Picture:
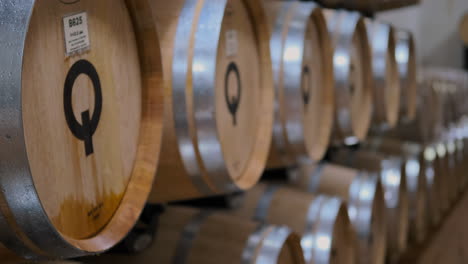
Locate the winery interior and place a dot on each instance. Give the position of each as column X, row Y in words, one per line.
column 234, row 131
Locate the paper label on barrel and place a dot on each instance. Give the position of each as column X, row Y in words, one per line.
column 75, row 28
column 231, row 43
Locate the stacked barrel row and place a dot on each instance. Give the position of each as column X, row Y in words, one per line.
column 109, row 104
column 336, row 76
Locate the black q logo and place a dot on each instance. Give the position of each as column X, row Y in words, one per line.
column 234, row 100
column 305, row 85
column 88, row 126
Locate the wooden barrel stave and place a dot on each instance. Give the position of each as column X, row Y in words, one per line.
column 367, row 212
column 308, row 215
column 32, row 212
column 204, row 153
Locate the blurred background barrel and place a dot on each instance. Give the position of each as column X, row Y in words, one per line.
column 303, row 75
column 318, row 218
column 83, row 125
column 219, row 97
column 389, row 170
column 364, row 196
column 190, row 236
column 413, row 170
column 441, row 169
column 353, row 82
column 434, row 199
column 406, row 59
column 385, row 72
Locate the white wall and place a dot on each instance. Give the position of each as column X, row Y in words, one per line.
column 435, row 25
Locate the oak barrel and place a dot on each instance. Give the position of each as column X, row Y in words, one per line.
column 412, row 155
column 442, row 170
column 407, row 66
column 455, row 186
column 352, row 69
column 434, row 201
column 323, row 222
column 389, row 170
column 189, row 236
column 364, row 196
column 303, row 77
column 219, row 97
column 460, row 163
column 81, row 123
column 385, row 72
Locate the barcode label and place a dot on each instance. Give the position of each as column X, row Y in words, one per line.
column 75, row 28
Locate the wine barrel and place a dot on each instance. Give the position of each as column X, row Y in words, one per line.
column 441, row 168
column 433, row 186
column 352, row 75
column 427, row 125
column 317, row 218
column 198, row 237
column 460, row 164
column 385, row 71
column 303, row 76
column 219, row 97
column 407, row 65
column 414, row 172
column 454, row 183
column 81, row 123
column 364, row 196
column 389, row 170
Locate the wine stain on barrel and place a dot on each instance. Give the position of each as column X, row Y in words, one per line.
column 84, row 219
